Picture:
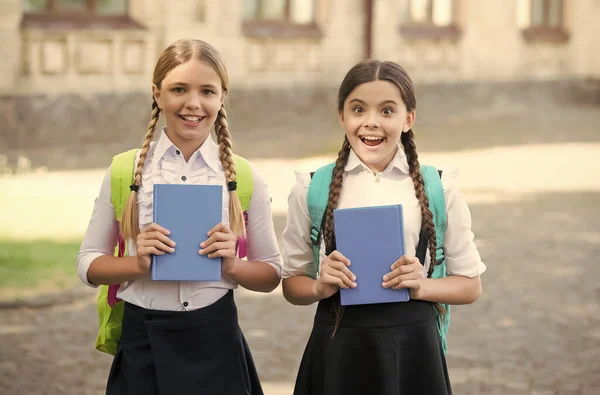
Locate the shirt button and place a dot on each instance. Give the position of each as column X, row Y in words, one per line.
column 177, row 152
column 183, row 178
column 185, row 304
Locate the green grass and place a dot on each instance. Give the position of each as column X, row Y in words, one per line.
column 27, row 265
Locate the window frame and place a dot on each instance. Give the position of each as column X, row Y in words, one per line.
column 281, row 28
column 414, row 30
column 52, row 17
column 545, row 32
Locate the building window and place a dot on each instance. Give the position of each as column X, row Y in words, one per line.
column 76, row 14
column 433, row 19
column 542, row 20
column 280, row 18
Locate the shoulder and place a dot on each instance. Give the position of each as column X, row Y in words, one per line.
column 449, row 176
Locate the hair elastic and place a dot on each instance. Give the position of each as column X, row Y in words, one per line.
column 134, row 187
column 231, row 186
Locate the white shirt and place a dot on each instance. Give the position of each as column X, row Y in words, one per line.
column 363, row 188
column 165, row 165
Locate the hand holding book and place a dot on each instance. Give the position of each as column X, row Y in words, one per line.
column 334, row 274
column 221, row 242
column 407, row 272
column 153, row 240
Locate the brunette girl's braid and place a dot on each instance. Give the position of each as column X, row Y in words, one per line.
column 236, row 215
column 410, row 149
column 335, row 188
column 130, row 227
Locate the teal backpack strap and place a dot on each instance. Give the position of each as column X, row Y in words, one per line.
column 121, row 178
column 437, row 205
column 318, row 194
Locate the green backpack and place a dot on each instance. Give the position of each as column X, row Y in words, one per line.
column 318, row 195
column 110, row 308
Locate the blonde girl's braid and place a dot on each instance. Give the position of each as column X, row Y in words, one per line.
column 130, row 226
column 335, row 188
column 236, row 216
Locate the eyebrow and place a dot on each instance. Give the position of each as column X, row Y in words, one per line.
column 184, row 84
column 382, row 103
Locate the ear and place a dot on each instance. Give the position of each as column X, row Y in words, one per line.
column 223, row 96
column 341, row 120
column 411, row 117
column 156, row 95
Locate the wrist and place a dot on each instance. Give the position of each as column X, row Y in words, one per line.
column 316, row 290
column 230, row 266
column 425, row 288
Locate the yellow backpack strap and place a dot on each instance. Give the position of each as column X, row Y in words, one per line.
column 121, row 178
column 245, row 182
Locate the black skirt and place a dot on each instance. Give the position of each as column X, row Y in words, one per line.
column 191, row 352
column 382, row 349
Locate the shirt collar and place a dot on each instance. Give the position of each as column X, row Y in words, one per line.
column 209, row 150
column 398, row 162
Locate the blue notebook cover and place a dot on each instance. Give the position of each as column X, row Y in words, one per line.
column 372, row 238
column 188, row 212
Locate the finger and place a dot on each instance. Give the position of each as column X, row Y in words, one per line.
column 333, row 280
column 217, row 236
column 404, row 260
column 156, row 235
column 223, row 253
column 342, row 276
column 337, row 256
column 400, row 270
column 220, row 227
column 157, row 244
column 411, row 284
column 340, row 266
column 150, row 251
column 156, row 227
column 219, row 245
column 414, row 275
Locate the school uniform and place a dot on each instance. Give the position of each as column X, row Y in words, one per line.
column 180, row 337
column 387, row 348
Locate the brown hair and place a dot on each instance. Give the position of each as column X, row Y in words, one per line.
column 368, row 71
column 175, row 54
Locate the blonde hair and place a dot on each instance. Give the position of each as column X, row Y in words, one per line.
column 175, row 54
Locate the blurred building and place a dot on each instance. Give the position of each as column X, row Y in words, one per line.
column 77, row 73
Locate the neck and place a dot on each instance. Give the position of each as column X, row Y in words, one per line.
column 186, row 146
column 380, row 166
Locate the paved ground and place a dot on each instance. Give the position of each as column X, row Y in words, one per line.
column 536, row 329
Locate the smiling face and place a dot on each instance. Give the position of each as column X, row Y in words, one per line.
column 190, row 97
column 374, row 116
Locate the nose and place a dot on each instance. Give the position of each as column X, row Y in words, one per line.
column 193, row 101
column 371, row 121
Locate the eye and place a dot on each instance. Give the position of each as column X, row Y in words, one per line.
column 387, row 111
column 178, row 89
column 208, row 92
column 358, row 110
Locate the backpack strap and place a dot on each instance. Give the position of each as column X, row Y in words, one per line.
column 318, row 194
column 437, row 204
column 245, row 182
column 121, row 178
column 245, row 189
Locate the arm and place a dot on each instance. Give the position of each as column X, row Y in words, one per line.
column 451, row 290
column 299, row 270
column 96, row 264
column 463, row 262
column 262, row 269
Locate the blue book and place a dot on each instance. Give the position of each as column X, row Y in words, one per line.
column 188, row 212
column 372, row 238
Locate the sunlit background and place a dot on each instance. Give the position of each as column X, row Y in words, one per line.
column 508, row 91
